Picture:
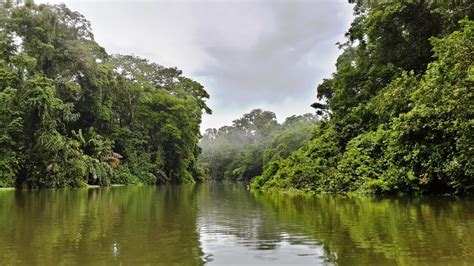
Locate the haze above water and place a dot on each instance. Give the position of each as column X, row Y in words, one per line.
column 224, row 223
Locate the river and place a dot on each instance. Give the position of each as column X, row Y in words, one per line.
column 223, row 223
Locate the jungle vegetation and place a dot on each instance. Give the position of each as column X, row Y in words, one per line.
column 397, row 116
column 71, row 114
column 245, row 149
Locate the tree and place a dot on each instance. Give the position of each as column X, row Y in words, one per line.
column 73, row 115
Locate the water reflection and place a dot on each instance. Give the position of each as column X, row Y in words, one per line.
column 223, row 223
column 261, row 227
column 358, row 230
column 235, row 228
column 128, row 225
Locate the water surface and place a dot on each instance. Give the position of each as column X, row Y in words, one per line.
column 220, row 224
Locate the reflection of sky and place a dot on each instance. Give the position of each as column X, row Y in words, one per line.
column 225, row 244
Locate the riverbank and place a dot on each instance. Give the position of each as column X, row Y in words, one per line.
column 308, row 193
column 288, row 191
column 86, row 186
column 113, row 185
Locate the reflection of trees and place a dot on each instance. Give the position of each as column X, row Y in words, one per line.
column 228, row 209
column 137, row 225
column 380, row 231
column 128, row 225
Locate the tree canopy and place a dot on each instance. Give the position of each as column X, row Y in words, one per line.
column 71, row 114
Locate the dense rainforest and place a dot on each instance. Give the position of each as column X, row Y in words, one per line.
column 71, row 114
column 397, row 116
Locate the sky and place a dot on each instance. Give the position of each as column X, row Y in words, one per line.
column 268, row 54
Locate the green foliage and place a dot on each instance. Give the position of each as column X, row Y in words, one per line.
column 10, row 126
column 245, row 149
column 312, row 167
column 434, row 139
column 125, row 177
column 362, row 164
column 400, row 107
column 71, row 115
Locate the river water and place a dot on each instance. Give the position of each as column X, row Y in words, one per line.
column 222, row 224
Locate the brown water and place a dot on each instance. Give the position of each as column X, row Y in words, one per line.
column 225, row 224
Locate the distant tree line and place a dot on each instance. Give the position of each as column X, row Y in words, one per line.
column 71, row 114
column 243, row 150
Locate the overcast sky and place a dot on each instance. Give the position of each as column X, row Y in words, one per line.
column 248, row 54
